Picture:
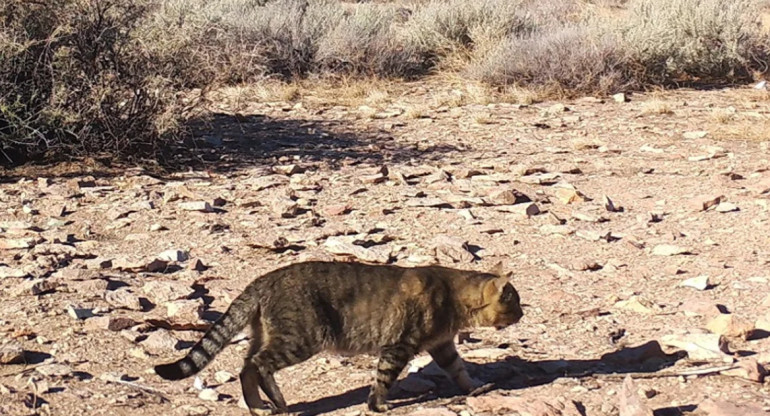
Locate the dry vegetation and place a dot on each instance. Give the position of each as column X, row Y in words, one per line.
column 91, row 76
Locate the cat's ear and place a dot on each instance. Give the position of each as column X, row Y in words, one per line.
column 498, row 269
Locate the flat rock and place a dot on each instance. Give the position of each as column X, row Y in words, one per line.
column 11, row 353
column 636, row 304
column 630, row 403
column 725, row 408
column 109, row 323
column 140, row 265
column 174, row 255
column 160, row 342
column 705, row 202
column 123, row 298
column 344, row 246
column 507, row 197
column 669, row 250
column 747, row 368
column 451, row 248
column 6, row 272
column 54, row 370
column 209, row 395
column 525, row 210
column 695, row 307
column 705, row 347
column 18, row 243
column 698, row 282
column 187, row 310
column 223, row 377
column 636, row 355
column 77, row 312
column 199, row 206
column 730, row 326
column 498, row 404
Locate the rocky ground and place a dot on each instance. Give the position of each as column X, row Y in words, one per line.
column 637, row 229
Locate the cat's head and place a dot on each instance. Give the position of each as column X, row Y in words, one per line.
column 501, row 303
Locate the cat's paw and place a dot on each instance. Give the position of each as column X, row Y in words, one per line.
column 378, row 405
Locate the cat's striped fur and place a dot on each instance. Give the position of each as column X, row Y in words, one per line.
column 305, row 308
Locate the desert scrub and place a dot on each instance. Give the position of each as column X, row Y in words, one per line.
column 568, row 59
column 685, row 40
column 74, row 81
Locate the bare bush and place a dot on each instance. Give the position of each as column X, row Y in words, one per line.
column 567, row 58
column 73, row 80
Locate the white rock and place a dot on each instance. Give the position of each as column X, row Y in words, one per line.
column 698, row 282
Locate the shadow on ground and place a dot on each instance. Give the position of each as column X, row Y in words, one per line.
column 225, row 143
column 513, row 373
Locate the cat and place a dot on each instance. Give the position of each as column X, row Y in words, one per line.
column 302, row 309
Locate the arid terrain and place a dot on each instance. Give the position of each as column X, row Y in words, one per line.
column 638, row 231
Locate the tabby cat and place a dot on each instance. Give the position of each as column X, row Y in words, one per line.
column 300, row 310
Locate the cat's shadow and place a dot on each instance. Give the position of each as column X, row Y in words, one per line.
column 510, row 373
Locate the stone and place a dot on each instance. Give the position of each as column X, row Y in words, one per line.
column 288, row 170
column 704, row 347
column 11, row 353
column 123, row 298
column 109, row 323
column 692, row 135
column 725, row 408
column 140, row 265
column 336, row 209
column 452, row 248
column 223, row 377
column 79, row 313
column 498, row 404
column 185, row 311
column 730, row 326
column 524, row 210
column 725, row 207
column 284, row 207
column 507, row 197
column 609, row 205
column 35, row 287
column 669, row 250
column 703, row 203
column 747, row 368
column 209, row 395
column 98, row 263
column 620, row 97
column 159, row 342
column 698, row 282
column 630, row 402
column 54, row 370
column 6, row 272
column 635, row 355
column 199, row 206
column 568, row 195
column 342, row 245
column 636, row 304
column 174, row 255
column 694, row 307
column 18, row 243
column 197, row 265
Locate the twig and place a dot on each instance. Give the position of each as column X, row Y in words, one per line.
column 138, row 386
column 691, row 372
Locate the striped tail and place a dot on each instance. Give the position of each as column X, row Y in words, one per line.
column 240, row 313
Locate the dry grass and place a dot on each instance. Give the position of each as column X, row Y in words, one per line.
column 755, row 130
column 656, row 107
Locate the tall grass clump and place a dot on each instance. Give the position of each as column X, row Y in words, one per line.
column 693, row 40
column 74, row 80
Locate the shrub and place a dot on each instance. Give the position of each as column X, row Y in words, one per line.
column 74, row 81
column 693, row 39
column 569, row 58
